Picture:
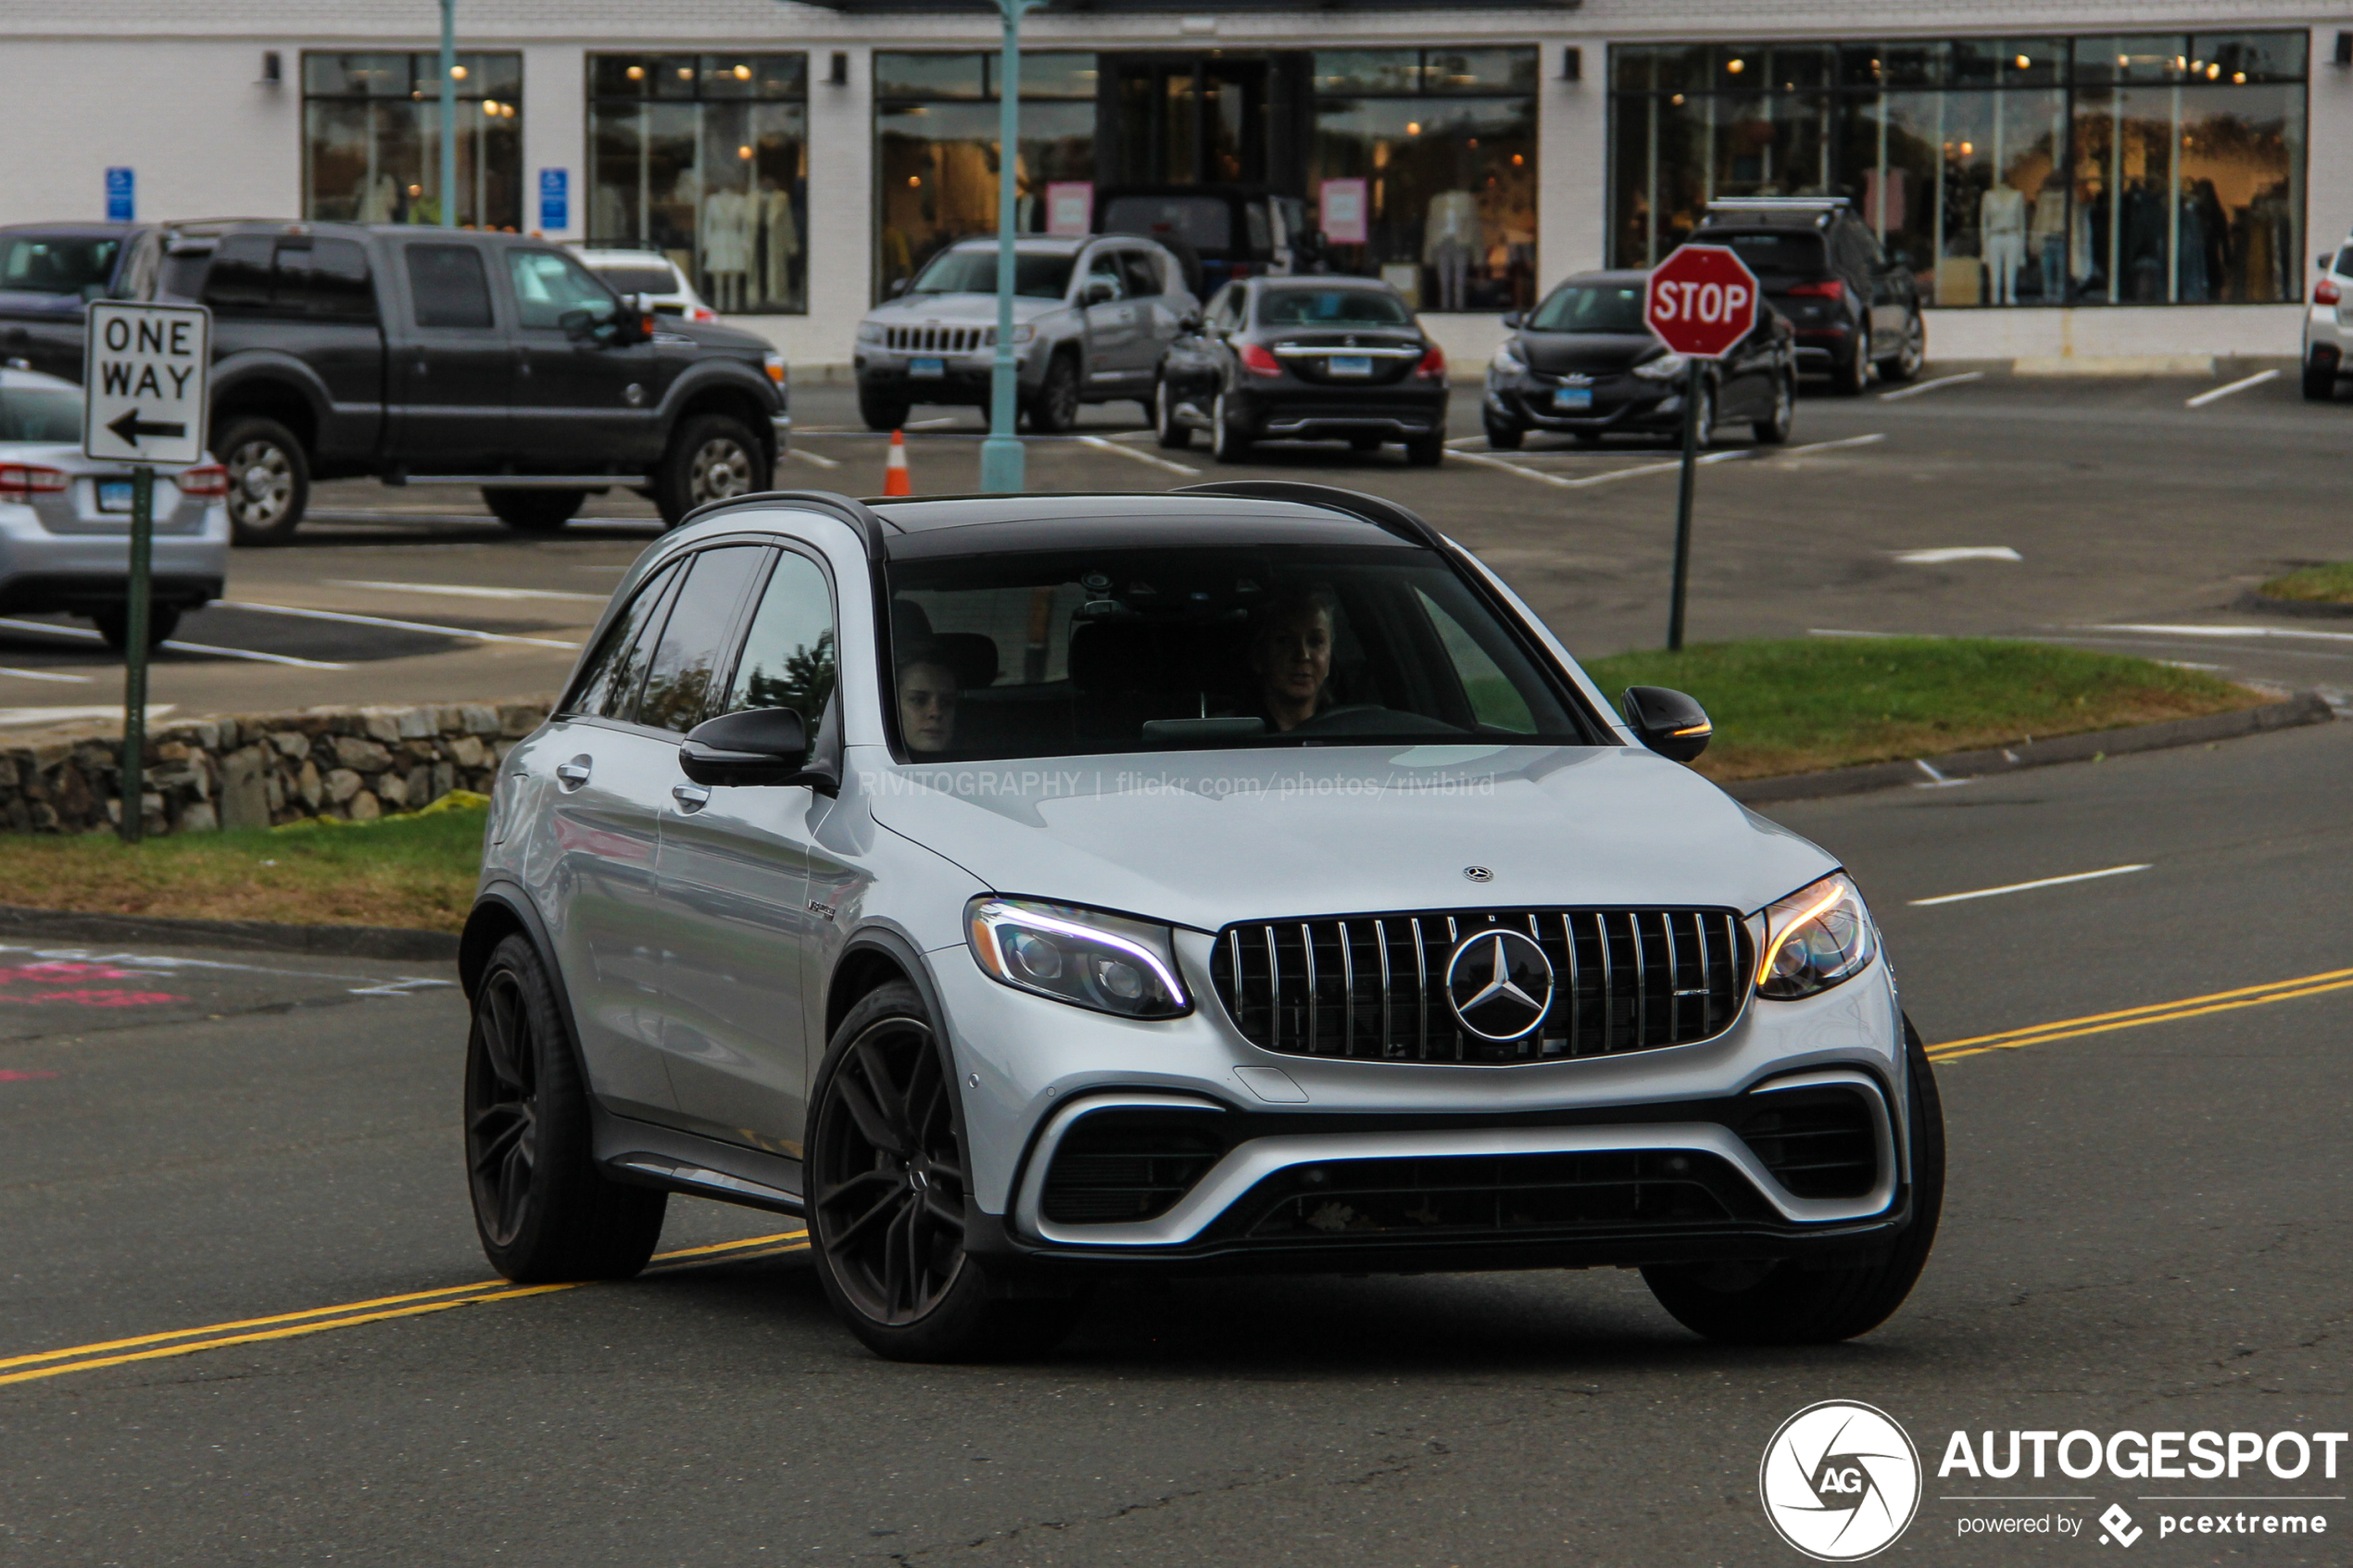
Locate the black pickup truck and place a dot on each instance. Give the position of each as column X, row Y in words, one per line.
column 348, row 350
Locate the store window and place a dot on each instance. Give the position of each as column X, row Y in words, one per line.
column 705, row 158
column 937, row 154
column 2164, row 168
column 372, row 139
column 1424, row 172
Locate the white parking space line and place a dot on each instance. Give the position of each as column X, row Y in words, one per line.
column 2218, row 632
column 1903, row 391
column 1834, row 445
column 47, row 675
column 806, row 456
column 16, row 717
column 462, row 591
column 2025, row 886
column 1584, row 482
column 1957, row 552
column 398, row 625
column 1100, row 445
column 83, row 634
column 932, row 424
column 2203, row 398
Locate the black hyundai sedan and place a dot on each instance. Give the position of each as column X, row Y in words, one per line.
column 1583, row 363
column 1304, row 359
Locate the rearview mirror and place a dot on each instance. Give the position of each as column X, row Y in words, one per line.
column 1667, row 721
column 759, row 746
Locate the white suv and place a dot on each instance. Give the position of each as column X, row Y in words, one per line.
column 2328, row 325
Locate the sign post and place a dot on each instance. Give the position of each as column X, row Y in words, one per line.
column 1700, row 303
column 144, row 382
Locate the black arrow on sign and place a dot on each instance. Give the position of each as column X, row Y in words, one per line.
column 130, row 427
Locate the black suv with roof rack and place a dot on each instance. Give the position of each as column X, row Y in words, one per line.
column 1853, row 305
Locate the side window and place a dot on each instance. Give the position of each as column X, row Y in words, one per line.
column 695, row 637
column 238, row 282
column 325, row 280
column 1103, row 267
column 446, row 284
column 549, row 284
column 1495, row 702
column 789, row 654
column 1142, row 269
column 1262, row 237
column 609, row 680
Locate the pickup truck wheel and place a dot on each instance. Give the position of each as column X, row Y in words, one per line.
column 534, row 512
column 1055, row 409
column 269, row 480
column 114, row 624
column 882, row 413
column 712, row 457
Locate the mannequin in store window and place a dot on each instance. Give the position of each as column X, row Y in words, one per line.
column 380, row 200
column 2001, row 215
column 1449, row 237
column 2047, row 236
column 780, row 242
column 726, row 247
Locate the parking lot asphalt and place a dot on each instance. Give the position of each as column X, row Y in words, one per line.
column 2146, row 1227
column 2138, row 522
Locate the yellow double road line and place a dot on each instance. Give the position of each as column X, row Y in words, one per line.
column 2156, row 1012
column 319, row 1320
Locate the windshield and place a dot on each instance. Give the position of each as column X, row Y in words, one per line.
column 1591, row 308
column 1206, row 223
column 1799, row 252
column 1193, row 648
column 1332, row 308
column 46, row 414
column 34, row 264
column 974, row 271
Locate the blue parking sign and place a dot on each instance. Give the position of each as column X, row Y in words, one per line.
column 123, row 205
column 555, row 199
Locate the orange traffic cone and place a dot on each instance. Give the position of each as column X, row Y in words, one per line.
column 894, row 480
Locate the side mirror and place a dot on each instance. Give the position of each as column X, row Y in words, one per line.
column 1101, row 291
column 1512, row 322
column 759, row 746
column 1667, row 721
column 2327, row 262
column 578, row 324
column 896, row 287
column 1190, row 324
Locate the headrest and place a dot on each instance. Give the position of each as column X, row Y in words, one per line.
column 972, row 655
column 1111, row 655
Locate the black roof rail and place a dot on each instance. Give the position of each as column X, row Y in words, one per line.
column 860, row 516
column 1388, row 516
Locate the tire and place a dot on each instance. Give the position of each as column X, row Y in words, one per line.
column 114, row 624
column 1427, row 451
column 712, row 457
column 883, row 412
column 1852, row 378
column 2320, row 378
column 1226, row 444
column 269, row 480
column 1173, row 435
column 1910, row 354
column 1054, row 410
column 1784, row 1303
column 544, row 1210
column 888, row 1189
column 1773, row 429
column 1504, row 438
column 535, row 511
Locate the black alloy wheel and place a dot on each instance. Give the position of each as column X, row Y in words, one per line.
column 535, row 511
column 1910, row 354
column 2320, row 376
column 543, row 1210
column 712, row 457
column 1852, row 378
column 1175, row 435
column 269, row 480
column 1504, row 438
column 883, row 412
column 1774, row 428
column 1227, row 442
column 114, row 624
column 887, row 1186
column 1054, row 410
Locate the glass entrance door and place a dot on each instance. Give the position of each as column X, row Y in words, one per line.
column 1183, row 120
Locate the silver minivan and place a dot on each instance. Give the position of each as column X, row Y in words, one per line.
column 1031, row 889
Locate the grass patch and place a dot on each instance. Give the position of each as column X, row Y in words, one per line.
column 1806, row 703
column 415, row 871
column 2332, row 583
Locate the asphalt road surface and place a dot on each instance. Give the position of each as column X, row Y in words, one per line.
column 243, row 1318
column 2137, row 521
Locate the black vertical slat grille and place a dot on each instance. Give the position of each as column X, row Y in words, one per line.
column 939, row 340
column 1373, row 987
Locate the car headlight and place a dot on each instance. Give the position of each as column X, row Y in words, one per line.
column 1082, row 956
column 869, row 331
column 1667, row 367
column 1815, row 938
column 1507, row 362
column 774, row 363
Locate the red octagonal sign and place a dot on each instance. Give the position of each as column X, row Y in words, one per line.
column 1701, row 301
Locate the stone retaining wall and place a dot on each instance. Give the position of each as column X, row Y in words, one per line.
column 263, row 771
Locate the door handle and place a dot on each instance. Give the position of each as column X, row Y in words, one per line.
column 572, row 774
column 690, row 797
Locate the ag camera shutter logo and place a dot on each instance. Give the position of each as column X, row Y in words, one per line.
column 1840, row 1481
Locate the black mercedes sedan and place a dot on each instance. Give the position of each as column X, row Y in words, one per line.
column 1317, row 358
column 1583, row 363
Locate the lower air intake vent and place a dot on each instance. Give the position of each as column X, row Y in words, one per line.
column 1818, row 1143
column 1499, row 1194
column 1117, row 1167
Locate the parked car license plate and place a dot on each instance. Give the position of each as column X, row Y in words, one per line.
column 113, row 495
column 927, row 368
column 1572, row 397
column 1351, row 364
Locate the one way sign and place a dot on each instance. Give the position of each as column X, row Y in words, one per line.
column 144, row 382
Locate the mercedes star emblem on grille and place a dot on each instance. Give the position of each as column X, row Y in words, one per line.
column 1500, row 983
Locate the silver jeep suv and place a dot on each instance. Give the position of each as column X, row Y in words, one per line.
column 1030, row 888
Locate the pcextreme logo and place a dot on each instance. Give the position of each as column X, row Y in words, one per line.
column 1840, row 1481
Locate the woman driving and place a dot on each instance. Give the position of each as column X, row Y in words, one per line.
column 1291, row 651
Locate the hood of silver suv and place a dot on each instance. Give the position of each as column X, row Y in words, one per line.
column 1204, row 838
column 979, row 309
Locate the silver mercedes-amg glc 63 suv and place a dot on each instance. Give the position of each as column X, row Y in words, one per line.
column 1030, row 890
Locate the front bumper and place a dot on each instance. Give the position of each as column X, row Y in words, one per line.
column 1620, row 403
column 964, row 377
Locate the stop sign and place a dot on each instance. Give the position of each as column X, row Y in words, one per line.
column 1701, row 301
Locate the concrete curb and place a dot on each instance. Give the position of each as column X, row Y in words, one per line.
column 2305, row 708
column 2317, row 609
column 259, row 936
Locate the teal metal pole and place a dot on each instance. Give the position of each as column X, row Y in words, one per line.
column 1002, row 462
column 134, row 788
column 448, row 114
